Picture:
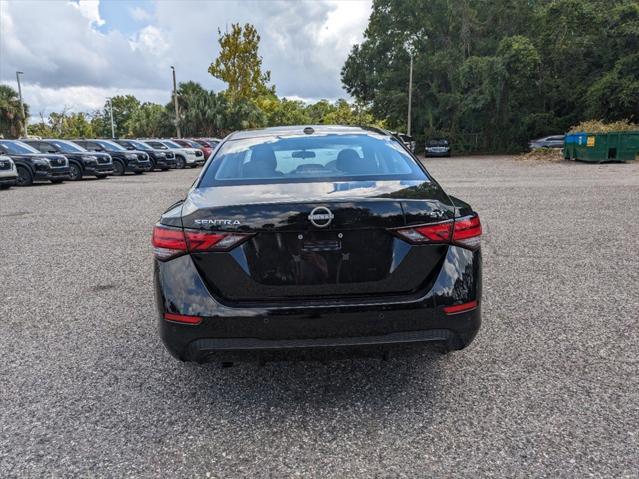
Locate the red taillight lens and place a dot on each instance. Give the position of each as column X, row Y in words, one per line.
column 168, row 242
column 464, row 232
column 200, row 242
column 460, row 308
column 172, row 242
column 182, row 318
column 467, row 231
column 433, row 233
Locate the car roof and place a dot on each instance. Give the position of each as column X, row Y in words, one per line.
column 299, row 130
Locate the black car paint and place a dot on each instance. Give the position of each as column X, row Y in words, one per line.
column 54, row 173
column 160, row 160
column 101, row 167
column 138, row 165
column 397, row 298
column 437, row 148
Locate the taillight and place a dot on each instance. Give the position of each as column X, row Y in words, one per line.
column 168, row 242
column 465, row 232
column 433, row 233
column 172, row 242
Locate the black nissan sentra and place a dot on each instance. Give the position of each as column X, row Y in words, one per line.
column 317, row 238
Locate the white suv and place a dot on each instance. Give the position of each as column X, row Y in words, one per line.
column 8, row 172
column 183, row 156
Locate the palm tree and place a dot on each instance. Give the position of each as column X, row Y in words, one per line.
column 11, row 120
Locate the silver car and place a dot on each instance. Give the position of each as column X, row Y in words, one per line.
column 8, row 172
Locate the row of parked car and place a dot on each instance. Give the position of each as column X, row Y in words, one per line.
column 25, row 161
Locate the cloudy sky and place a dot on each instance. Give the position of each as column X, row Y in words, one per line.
column 74, row 53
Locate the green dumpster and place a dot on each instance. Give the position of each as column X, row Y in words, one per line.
column 599, row 147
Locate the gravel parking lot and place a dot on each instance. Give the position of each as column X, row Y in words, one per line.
column 550, row 387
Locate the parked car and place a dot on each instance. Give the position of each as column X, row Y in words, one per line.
column 188, row 143
column 555, row 141
column 160, row 160
column 183, row 156
column 407, row 140
column 438, row 147
column 81, row 162
column 315, row 238
column 123, row 160
column 33, row 165
column 8, row 172
column 210, row 142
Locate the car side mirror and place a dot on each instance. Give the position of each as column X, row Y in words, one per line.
column 51, row 151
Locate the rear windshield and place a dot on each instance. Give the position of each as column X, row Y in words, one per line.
column 437, row 143
column 299, row 159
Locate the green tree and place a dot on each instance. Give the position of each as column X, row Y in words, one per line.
column 202, row 112
column 149, row 120
column 490, row 75
column 283, row 111
column 318, row 111
column 11, row 119
column 239, row 64
column 242, row 114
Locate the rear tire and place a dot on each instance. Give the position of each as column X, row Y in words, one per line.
column 118, row 168
column 25, row 178
column 75, row 171
column 180, row 162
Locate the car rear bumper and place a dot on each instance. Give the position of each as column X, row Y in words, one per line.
column 438, row 153
column 226, row 330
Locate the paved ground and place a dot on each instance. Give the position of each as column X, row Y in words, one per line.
column 550, row 388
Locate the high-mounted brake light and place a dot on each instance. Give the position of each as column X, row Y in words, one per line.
column 465, row 232
column 172, row 242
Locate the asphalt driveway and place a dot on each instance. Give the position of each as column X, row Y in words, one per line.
column 550, row 387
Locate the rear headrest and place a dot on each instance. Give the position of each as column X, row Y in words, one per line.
column 264, row 154
column 262, row 163
column 349, row 161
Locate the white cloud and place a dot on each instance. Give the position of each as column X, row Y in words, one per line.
column 89, row 10
column 69, row 62
column 151, row 41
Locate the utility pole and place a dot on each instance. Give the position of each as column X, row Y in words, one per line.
column 410, row 92
column 24, row 116
column 111, row 112
column 175, row 102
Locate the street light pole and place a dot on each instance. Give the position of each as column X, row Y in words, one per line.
column 175, row 102
column 24, row 116
column 111, row 112
column 410, row 93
